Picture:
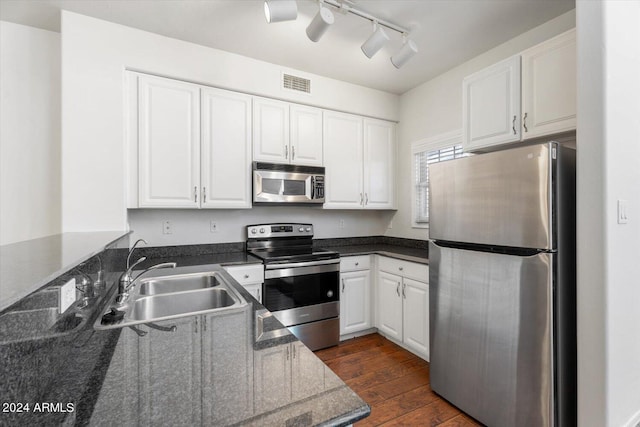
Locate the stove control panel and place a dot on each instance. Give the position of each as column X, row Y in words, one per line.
column 262, row 231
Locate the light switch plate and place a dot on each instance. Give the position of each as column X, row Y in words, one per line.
column 67, row 295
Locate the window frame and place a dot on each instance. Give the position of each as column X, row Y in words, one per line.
column 443, row 140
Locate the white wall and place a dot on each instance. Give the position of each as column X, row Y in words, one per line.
column 95, row 54
column 608, row 253
column 194, row 227
column 435, row 107
column 29, row 133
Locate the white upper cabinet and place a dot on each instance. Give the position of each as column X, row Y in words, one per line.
column 379, row 164
column 549, row 87
column 286, row 133
column 306, row 135
column 226, row 149
column 491, row 105
column 168, row 143
column 527, row 96
column 343, row 158
column 270, row 130
column 190, row 145
column 359, row 157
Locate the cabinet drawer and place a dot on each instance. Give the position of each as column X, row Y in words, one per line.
column 355, row 263
column 247, row 274
column 402, row 268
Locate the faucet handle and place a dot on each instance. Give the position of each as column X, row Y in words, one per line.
column 144, row 258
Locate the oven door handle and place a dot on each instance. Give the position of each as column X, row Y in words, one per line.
column 302, row 264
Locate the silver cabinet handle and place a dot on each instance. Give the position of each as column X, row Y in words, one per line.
column 524, row 122
column 514, row 125
column 293, row 152
column 361, row 198
column 287, row 353
column 398, row 289
column 400, row 268
column 357, row 264
column 404, row 286
column 195, row 194
column 343, row 286
column 246, row 276
column 259, row 297
column 286, row 152
column 204, row 194
column 294, row 347
column 366, row 198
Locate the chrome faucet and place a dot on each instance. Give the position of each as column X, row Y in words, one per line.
column 126, row 282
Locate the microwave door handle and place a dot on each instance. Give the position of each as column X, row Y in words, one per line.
column 313, row 188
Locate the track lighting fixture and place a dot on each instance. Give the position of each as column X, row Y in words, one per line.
column 280, row 10
column 287, row 10
column 376, row 40
column 320, row 23
column 408, row 49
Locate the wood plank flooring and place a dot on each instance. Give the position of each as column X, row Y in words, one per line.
column 393, row 381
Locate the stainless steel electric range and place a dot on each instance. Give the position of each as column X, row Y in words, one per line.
column 301, row 286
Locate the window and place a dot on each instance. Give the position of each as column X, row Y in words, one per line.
column 425, row 153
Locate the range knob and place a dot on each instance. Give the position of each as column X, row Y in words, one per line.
column 254, row 231
column 301, row 229
column 308, row 229
column 262, row 230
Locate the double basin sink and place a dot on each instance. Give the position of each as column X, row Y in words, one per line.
column 171, row 293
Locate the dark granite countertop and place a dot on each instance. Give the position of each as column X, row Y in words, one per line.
column 394, row 251
column 214, row 369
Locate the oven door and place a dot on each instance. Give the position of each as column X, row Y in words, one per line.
column 302, row 292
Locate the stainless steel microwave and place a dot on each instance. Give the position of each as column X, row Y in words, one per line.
column 287, row 184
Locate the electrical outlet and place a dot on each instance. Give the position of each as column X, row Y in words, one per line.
column 67, row 295
column 213, row 227
column 342, row 223
column 166, row 227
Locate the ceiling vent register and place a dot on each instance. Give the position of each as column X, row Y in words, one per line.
column 296, row 83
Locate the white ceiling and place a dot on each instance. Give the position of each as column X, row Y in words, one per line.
column 448, row 32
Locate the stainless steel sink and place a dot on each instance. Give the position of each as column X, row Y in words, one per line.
column 169, row 294
column 161, row 306
column 178, row 283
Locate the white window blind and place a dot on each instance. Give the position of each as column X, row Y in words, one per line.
column 421, row 162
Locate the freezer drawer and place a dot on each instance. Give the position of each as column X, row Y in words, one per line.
column 505, row 198
column 491, row 334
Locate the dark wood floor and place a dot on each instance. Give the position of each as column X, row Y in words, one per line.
column 393, row 381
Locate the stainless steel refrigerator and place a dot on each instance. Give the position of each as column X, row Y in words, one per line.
column 502, row 285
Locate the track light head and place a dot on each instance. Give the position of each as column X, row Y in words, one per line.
column 320, row 24
column 280, row 10
column 376, row 40
column 408, row 49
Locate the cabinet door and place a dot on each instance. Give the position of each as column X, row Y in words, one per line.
column 549, row 87
column 272, row 377
column 171, row 361
column 415, row 316
column 307, row 372
column 343, row 160
column 270, row 130
column 379, row 164
column 168, row 143
column 390, row 305
column 226, row 149
column 306, row 135
column 491, row 105
column 355, row 301
column 220, row 367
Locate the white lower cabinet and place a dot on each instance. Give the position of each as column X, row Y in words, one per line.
column 285, row 374
column 355, row 294
column 403, row 304
column 250, row 276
